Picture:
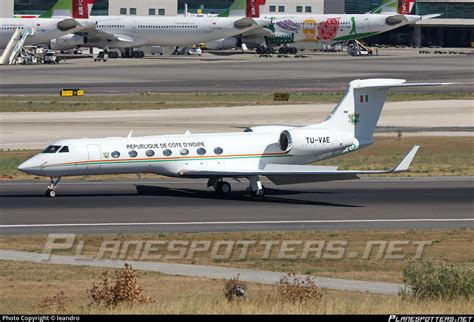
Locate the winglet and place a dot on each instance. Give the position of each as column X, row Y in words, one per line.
column 407, row 160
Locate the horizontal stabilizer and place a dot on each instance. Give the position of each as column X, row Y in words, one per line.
column 389, row 82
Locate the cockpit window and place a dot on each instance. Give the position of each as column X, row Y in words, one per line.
column 52, row 149
column 65, row 149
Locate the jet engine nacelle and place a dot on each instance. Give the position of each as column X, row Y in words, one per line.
column 224, row 43
column 68, row 41
column 309, row 141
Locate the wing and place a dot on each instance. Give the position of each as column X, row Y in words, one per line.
column 259, row 32
column 290, row 174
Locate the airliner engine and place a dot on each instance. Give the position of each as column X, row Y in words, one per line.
column 68, row 41
column 224, row 43
column 309, row 141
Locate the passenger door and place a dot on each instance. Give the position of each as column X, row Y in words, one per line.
column 95, row 157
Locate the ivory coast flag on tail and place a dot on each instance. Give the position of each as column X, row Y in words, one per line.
column 364, row 98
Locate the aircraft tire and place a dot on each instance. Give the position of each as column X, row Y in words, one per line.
column 50, row 193
column 223, row 187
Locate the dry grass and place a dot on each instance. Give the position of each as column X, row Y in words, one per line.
column 449, row 245
column 24, row 284
column 439, row 156
column 188, row 100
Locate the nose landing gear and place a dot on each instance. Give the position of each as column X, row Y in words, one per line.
column 51, row 191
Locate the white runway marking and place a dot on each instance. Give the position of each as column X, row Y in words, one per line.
column 265, row 222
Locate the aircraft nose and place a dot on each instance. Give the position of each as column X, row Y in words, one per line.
column 25, row 166
column 30, row 165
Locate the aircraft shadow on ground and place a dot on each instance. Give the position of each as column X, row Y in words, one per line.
column 238, row 196
column 271, row 196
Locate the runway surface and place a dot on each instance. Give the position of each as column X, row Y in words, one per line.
column 188, row 206
column 241, row 74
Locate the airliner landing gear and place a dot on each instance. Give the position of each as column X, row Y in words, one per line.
column 256, row 188
column 223, row 187
column 51, row 191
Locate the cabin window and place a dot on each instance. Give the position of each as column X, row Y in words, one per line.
column 184, row 151
column 150, row 153
column 218, row 150
column 52, row 149
column 64, row 149
column 167, row 152
column 115, row 154
column 201, row 151
column 133, row 154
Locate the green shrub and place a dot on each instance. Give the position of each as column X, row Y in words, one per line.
column 430, row 280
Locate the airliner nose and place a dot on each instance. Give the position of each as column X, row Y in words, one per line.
column 25, row 166
column 29, row 165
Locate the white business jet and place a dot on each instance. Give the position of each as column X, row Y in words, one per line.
column 280, row 153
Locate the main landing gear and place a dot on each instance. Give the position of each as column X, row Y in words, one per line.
column 51, row 191
column 256, row 188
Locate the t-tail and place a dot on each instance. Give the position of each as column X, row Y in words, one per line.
column 359, row 110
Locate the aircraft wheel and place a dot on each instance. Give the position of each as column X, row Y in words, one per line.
column 293, row 50
column 283, row 50
column 269, row 51
column 50, row 193
column 223, row 187
column 259, row 193
column 260, row 50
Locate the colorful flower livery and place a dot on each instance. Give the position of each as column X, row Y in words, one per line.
column 327, row 28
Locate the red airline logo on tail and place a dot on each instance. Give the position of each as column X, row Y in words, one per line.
column 253, row 8
column 405, row 6
column 80, row 8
